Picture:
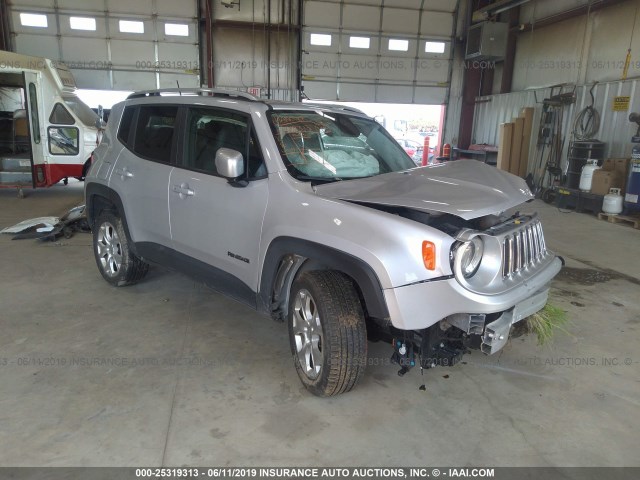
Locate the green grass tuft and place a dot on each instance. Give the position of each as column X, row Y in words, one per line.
column 546, row 322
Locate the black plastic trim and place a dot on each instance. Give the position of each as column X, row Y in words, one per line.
column 213, row 277
column 98, row 190
column 331, row 258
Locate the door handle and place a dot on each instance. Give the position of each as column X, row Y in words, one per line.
column 124, row 173
column 183, row 190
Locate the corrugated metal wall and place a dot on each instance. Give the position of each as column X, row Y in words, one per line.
column 615, row 128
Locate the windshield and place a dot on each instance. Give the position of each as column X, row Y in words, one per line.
column 81, row 110
column 323, row 146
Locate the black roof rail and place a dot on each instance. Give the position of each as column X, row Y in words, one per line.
column 214, row 92
column 335, row 106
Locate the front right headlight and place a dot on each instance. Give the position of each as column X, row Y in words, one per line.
column 468, row 256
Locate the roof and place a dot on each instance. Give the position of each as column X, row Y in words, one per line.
column 242, row 98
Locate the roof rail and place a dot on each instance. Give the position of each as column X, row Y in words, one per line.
column 335, row 106
column 214, row 92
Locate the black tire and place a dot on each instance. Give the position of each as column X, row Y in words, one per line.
column 116, row 262
column 549, row 196
column 342, row 343
column 85, row 170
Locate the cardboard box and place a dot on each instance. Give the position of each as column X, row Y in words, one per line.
column 603, row 180
column 621, row 167
column 504, row 146
column 516, row 146
column 527, row 114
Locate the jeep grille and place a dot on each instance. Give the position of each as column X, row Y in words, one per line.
column 523, row 248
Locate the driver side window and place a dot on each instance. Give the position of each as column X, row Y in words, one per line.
column 208, row 130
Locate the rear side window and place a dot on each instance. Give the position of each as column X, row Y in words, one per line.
column 154, row 132
column 61, row 116
column 124, row 130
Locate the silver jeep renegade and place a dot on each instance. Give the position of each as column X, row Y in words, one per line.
column 314, row 215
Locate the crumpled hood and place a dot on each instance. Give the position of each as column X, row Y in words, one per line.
column 465, row 188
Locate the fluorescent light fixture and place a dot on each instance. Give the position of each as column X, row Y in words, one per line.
column 131, row 26
column 398, row 45
column 82, row 23
column 434, row 47
column 359, row 42
column 320, row 39
column 177, row 29
column 33, row 20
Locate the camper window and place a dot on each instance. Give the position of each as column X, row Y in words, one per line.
column 63, row 141
column 33, row 110
column 81, row 110
column 61, row 116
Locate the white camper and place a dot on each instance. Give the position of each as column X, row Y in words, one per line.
column 47, row 133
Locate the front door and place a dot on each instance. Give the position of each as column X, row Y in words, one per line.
column 212, row 221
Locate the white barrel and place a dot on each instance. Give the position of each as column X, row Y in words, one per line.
column 612, row 203
column 586, row 178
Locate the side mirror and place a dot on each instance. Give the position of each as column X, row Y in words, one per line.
column 229, row 163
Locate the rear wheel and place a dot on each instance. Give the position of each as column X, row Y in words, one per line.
column 327, row 332
column 117, row 263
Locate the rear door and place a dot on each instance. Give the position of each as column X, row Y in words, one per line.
column 33, row 113
column 141, row 173
column 212, row 221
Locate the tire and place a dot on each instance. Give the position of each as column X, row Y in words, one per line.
column 116, row 262
column 327, row 332
column 549, row 196
column 85, row 171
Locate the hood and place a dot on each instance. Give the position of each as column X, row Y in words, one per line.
column 465, row 188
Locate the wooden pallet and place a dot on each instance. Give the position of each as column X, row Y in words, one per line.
column 633, row 221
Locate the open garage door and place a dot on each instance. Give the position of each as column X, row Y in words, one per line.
column 376, row 51
column 113, row 44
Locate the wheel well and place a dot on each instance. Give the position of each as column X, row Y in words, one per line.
column 282, row 267
column 315, row 264
column 96, row 205
column 85, row 167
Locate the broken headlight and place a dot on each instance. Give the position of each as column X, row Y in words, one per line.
column 467, row 257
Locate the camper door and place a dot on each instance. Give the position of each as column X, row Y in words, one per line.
column 36, row 137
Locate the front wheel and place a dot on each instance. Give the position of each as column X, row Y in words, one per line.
column 327, row 332
column 117, row 263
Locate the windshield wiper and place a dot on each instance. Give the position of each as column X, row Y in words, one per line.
column 317, row 180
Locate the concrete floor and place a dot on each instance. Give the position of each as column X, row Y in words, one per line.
column 214, row 384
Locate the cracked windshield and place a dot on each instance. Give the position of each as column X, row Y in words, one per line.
column 325, row 147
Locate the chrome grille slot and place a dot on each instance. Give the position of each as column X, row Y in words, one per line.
column 522, row 248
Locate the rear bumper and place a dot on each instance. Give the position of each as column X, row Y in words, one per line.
column 418, row 306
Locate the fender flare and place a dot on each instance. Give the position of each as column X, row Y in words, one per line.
column 364, row 276
column 94, row 190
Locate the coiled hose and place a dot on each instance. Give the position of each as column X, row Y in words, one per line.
column 587, row 123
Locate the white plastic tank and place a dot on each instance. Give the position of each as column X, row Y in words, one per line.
column 586, row 178
column 612, row 203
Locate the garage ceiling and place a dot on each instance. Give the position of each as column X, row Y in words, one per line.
column 372, row 50
column 90, row 36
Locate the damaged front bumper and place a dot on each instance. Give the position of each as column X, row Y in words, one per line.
column 495, row 334
column 420, row 305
